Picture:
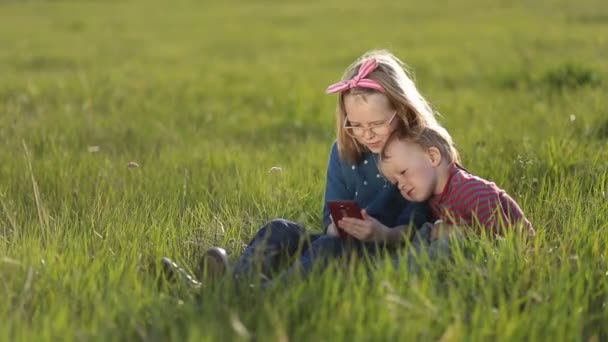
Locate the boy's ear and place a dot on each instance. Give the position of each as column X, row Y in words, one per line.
column 434, row 156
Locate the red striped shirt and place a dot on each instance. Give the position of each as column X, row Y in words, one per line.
column 468, row 200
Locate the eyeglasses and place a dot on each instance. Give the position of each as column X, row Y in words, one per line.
column 379, row 129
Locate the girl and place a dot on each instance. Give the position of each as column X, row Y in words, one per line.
column 375, row 97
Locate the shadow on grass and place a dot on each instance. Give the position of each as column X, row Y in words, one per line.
column 601, row 129
column 567, row 75
column 282, row 132
column 46, row 63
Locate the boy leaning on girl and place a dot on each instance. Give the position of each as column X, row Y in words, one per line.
column 424, row 165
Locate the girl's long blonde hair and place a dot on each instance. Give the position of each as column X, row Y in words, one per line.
column 413, row 112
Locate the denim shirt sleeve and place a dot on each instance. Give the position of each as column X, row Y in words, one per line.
column 335, row 186
column 393, row 210
column 416, row 213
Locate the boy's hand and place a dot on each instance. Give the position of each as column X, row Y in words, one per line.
column 368, row 229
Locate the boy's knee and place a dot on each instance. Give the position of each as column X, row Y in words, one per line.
column 280, row 229
column 279, row 225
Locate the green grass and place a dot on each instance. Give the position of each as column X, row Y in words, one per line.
column 207, row 98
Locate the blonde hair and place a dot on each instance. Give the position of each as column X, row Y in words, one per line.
column 413, row 111
column 426, row 137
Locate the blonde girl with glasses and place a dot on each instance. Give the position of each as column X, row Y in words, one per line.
column 375, row 97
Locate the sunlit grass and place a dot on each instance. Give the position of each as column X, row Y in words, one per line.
column 207, row 99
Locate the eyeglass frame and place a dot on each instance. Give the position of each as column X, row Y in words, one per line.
column 370, row 128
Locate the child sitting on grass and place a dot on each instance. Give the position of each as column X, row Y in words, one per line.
column 423, row 164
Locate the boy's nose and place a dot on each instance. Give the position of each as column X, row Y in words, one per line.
column 401, row 185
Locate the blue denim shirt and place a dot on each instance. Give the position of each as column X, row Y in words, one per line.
column 364, row 184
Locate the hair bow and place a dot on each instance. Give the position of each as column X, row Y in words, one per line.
column 359, row 80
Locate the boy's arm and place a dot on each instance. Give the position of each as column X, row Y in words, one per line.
column 478, row 203
column 494, row 211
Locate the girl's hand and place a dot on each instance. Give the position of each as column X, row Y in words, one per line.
column 368, row 229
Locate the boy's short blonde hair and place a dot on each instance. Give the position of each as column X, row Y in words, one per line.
column 426, row 137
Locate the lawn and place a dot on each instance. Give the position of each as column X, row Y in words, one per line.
column 204, row 98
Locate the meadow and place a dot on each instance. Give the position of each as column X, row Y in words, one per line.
column 204, row 98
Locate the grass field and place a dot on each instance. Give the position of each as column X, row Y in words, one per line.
column 207, row 97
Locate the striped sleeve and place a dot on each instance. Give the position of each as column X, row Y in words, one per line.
column 483, row 205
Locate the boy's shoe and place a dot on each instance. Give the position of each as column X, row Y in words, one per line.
column 173, row 272
column 213, row 264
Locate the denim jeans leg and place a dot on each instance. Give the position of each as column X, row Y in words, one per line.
column 321, row 250
column 420, row 241
column 275, row 240
column 442, row 248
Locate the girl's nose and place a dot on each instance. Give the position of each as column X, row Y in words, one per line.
column 368, row 134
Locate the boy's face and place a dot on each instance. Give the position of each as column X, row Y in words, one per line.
column 412, row 169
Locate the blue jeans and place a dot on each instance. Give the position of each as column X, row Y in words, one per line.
column 275, row 245
column 422, row 243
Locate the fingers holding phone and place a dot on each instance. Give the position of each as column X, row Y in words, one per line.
column 365, row 229
column 332, row 230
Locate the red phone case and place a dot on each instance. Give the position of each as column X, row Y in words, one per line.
column 340, row 209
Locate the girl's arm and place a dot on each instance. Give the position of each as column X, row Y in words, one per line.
column 335, row 185
column 372, row 230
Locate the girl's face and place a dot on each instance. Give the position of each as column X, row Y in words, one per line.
column 412, row 169
column 370, row 119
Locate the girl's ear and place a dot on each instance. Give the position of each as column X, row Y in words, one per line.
column 434, row 156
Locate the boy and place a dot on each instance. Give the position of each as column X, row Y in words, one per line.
column 424, row 166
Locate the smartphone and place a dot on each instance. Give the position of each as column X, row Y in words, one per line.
column 340, row 209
